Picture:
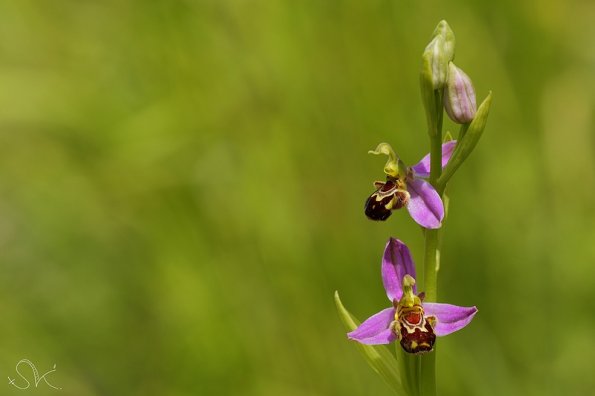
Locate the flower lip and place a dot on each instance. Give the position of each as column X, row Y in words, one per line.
column 389, row 196
column 379, row 205
column 388, row 188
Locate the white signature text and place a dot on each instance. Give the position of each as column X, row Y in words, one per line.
column 36, row 377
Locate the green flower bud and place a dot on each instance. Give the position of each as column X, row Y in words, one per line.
column 434, row 72
column 459, row 96
column 438, row 53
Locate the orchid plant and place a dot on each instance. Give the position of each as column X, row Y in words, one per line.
column 414, row 320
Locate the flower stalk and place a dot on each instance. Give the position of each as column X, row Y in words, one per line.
column 431, row 246
column 410, row 369
column 431, row 265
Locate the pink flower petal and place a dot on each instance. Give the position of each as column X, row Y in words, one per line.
column 376, row 329
column 449, row 318
column 396, row 263
column 422, row 168
column 425, row 205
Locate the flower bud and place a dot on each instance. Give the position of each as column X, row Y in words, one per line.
column 434, row 72
column 459, row 96
column 438, row 53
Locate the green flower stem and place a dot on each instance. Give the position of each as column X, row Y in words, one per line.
column 428, row 372
column 431, row 255
column 432, row 252
column 436, row 141
column 410, row 369
column 431, row 243
column 431, row 265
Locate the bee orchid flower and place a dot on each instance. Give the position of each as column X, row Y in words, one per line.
column 405, row 186
column 410, row 320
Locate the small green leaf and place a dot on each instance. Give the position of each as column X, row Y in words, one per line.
column 377, row 356
column 469, row 136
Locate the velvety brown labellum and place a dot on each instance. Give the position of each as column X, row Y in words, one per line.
column 416, row 334
column 380, row 204
column 377, row 207
column 421, row 340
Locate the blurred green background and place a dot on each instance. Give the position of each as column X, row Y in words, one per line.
column 182, row 188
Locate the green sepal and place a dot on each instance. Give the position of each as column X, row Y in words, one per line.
column 377, row 356
column 469, row 136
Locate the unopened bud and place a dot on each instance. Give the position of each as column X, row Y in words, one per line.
column 436, row 56
column 434, row 72
column 459, row 96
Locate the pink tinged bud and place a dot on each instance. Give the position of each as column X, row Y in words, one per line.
column 459, row 96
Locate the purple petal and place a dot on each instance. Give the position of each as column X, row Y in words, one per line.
column 376, row 329
column 449, row 318
column 396, row 263
column 422, row 168
column 425, row 205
